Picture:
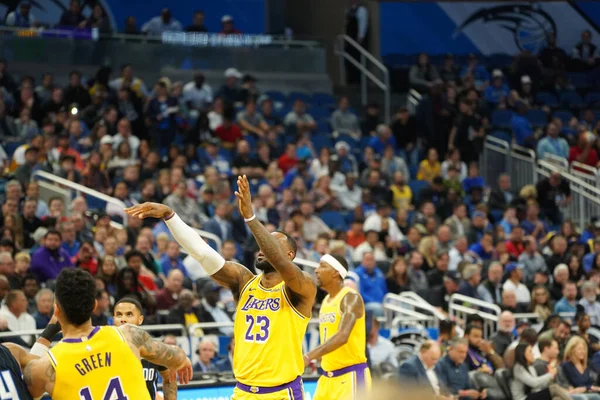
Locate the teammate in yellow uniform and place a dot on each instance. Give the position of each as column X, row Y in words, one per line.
column 273, row 308
column 343, row 335
column 100, row 363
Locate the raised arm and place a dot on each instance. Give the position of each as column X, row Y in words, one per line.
column 351, row 308
column 169, row 386
column 158, row 352
column 231, row 275
column 297, row 281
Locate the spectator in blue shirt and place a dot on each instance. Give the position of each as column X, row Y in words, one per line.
column 70, row 244
column 383, row 139
column 372, row 280
column 498, row 91
column 471, row 279
column 481, row 75
column 568, row 303
column 170, row 260
column 552, row 143
column 485, row 248
column 521, row 127
column 453, row 372
column 473, row 180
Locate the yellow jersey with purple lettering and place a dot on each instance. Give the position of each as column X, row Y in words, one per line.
column 100, row 366
column 269, row 333
column 354, row 351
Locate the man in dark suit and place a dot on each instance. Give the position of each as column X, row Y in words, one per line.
column 220, row 224
column 419, row 370
column 502, row 196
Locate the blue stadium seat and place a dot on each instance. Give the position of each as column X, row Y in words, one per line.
column 276, row 95
column 322, row 99
column 95, row 203
column 546, row 99
column 537, row 117
column 592, row 98
column 334, row 219
column 323, row 126
column 227, row 154
column 321, row 140
column 568, row 132
column 364, row 142
column 502, row 118
column 319, row 113
column 10, row 148
column 413, row 170
column 502, row 136
column 251, row 139
column 282, row 111
column 564, row 115
column 416, row 187
column 353, row 143
column 579, row 79
column 293, row 96
column 571, row 100
column 497, row 215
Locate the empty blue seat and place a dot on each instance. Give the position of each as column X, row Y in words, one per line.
column 334, row 220
column 226, row 154
column 564, row 115
column 95, row 203
column 323, row 126
column 282, row 112
column 322, row 99
column 501, row 118
column 293, row 96
column 319, row 113
column 276, row 95
column 546, row 99
column 497, row 215
column 251, row 139
column 416, row 187
column 10, row 148
column 502, row 136
column 571, row 99
column 320, row 141
column 413, row 170
column 579, row 79
column 592, row 98
column 537, row 117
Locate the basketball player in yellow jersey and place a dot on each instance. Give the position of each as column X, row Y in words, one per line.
column 96, row 363
column 343, row 335
column 273, row 308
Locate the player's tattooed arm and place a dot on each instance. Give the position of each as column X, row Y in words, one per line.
column 169, row 386
column 158, row 352
column 39, row 376
column 300, row 283
column 351, row 308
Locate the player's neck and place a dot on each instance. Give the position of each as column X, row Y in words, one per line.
column 270, row 279
column 74, row 332
column 334, row 289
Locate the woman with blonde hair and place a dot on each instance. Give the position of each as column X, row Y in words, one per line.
column 528, row 192
column 428, row 248
column 322, row 196
column 576, row 371
column 22, row 263
column 540, row 302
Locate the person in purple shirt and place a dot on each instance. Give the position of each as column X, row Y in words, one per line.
column 383, row 139
column 50, row 259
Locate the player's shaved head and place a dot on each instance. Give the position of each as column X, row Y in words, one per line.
column 75, row 296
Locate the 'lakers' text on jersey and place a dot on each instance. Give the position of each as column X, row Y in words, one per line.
column 99, row 367
column 268, row 332
column 12, row 386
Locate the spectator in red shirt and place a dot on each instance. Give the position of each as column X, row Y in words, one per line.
column 166, row 298
column 289, row 159
column 86, row 259
column 356, row 235
column 228, row 28
column 228, row 132
column 64, row 147
column 134, row 261
column 583, row 152
column 514, row 246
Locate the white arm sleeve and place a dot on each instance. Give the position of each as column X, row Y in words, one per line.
column 195, row 246
column 39, row 350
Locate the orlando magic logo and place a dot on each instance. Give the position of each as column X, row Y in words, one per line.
column 529, row 24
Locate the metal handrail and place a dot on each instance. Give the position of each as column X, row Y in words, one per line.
column 150, row 328
column 556, row 160
column 384, row 85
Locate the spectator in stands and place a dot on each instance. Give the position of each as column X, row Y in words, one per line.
column 229, row 92
column 97, row 20
column 583, row 325
column 8, row 129
column 514, row 283
column 15, row 314
column 532, row 261
column 450, row 71
column 532, row 225
column 72, row 17
column 526, row 383
column 498, row 91
column 225, row 365
column 69, row 241
column 453, row 161
column 185, row 313
column 540, row 302
column 372, row 281
column 522, row 130
column 503, row 338
column 568, row 303
column 162, row 23
column 24, row 172
column 183, row 205
column 459, row 224
column 21, row 18
column 397, row 278
column 197, row 93
column 44, row 300
column 416, row 275
column 251, row 122
column 423, row 75
column 375, row 222
column 584, row 151
column 344, row 121
column 75, row 93
column 552, row 143
column 298, row 122
column 439, row 296
column 390, row 164
column 548, row 355
column 420, row 369
column 99, row 316
column 124, row 134
column 576, row 370
column 197, row 23
column 458, row 253
column 471, row 275
column 350, row 194
column 381, row 350
column 560, row 333
column 30, row 287
column 553, row 57
column 490, row 290
column 135, row 261
column 50, row 258
column 220, row 224
column 477, row 71
column 585, row 52
column 206, row 354
column 162, row 111
column 312, row 226
column 25, row 126
column 481, row 355
column 561, row 277
column 588, row 301
column 171, row 261
column 515, row 246
column 454, row 373
column 558, row 246
column 212, row 310
column 227, row 27
column 288, row 159
column 509, row 303
column 107, row 271
column 429, row 168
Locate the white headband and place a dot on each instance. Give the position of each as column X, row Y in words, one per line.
column 335, row 264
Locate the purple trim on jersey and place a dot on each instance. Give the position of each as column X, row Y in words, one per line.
column 83, row 339
column 361, row 382
column 358, row 368
column 295, row 387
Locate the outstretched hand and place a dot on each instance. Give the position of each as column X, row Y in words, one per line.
column 184, row 373
column 149, row 210
column 244, row 197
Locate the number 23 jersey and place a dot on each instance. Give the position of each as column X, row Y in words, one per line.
column 269, row 333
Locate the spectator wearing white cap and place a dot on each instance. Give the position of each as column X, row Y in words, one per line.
column 162, row 23
column 347, row 161
column 498, row 91
column 227, row 26
column 230, row 92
